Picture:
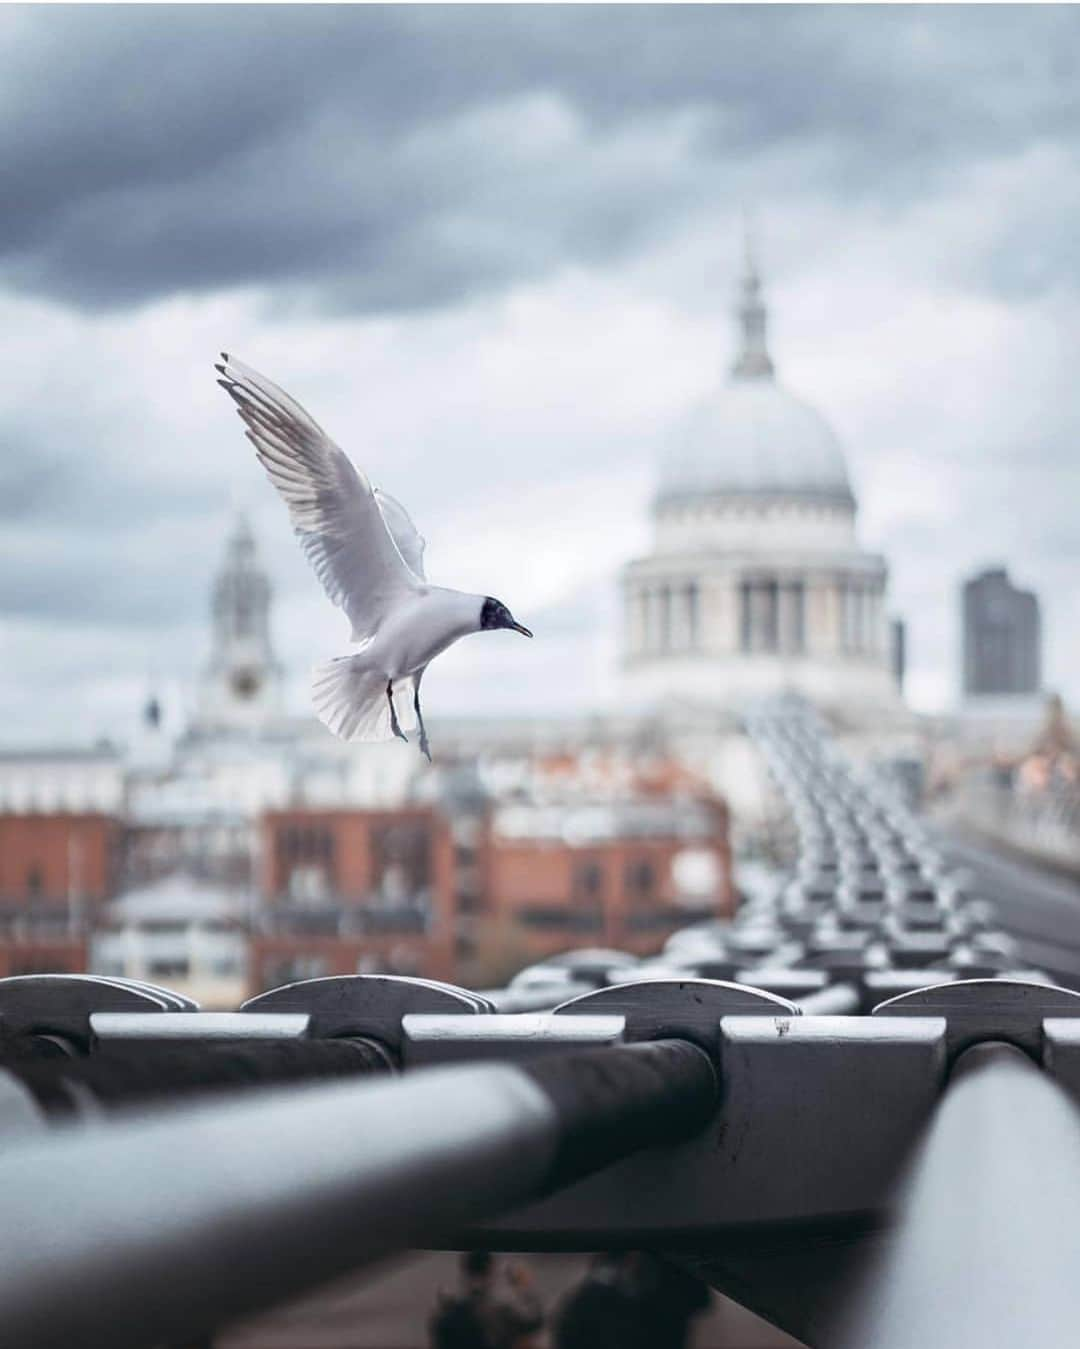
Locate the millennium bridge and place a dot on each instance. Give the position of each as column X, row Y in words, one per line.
column 853, row 1109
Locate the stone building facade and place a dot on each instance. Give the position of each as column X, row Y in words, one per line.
column 756, row 582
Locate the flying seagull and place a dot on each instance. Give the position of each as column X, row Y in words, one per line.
column 370, row 559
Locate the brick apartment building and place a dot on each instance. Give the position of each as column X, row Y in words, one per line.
column 344, row 891
column 622, row 875
column 56, row 871
column 466, row 892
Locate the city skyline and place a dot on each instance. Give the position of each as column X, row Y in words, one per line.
column 501, row 290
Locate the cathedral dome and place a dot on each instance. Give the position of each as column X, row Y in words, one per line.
column 757, row 438
column 754, row 437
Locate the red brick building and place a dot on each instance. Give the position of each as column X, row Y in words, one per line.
column 56, row 870
column 623, row 874
column 410, row 891
column 348, row 891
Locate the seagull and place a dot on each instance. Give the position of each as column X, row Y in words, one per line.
column 368, row 555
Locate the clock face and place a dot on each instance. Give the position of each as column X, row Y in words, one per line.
column 245, row 683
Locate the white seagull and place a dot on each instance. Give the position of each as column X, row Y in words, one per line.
column 369, row 557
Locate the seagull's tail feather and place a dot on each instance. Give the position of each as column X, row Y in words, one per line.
column 350, row 699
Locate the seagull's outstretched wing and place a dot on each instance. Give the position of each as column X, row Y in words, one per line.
column 333, row 508
column 410, row 541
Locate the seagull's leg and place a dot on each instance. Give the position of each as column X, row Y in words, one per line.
column 394, row 726
column 424, row 747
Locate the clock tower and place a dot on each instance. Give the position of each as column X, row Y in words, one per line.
column 241, row 685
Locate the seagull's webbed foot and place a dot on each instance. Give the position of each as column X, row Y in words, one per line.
column 395, row 725
column 425, row 749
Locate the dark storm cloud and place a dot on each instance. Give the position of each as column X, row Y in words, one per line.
column 147, row 151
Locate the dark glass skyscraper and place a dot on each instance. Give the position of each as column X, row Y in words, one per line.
column 1002, row 636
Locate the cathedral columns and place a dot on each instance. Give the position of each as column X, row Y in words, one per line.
column 635, row 619
column 720, row 614
column 667, row 615
column 817, row 615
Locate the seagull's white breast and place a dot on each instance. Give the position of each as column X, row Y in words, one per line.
column 416, row 631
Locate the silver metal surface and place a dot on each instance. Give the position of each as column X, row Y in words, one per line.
column 113, row 1027
column 187, row 1220
column 988, row 1009
column 368, row 1005
column 174, row 1001
column 816, row 1116
column 983, row 1255
column 20, row 1115
column 688, row 1009
column 61, row 1004
column 220, row 1210
column 429, row 1039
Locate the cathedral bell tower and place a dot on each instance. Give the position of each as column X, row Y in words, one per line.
column 241, row 685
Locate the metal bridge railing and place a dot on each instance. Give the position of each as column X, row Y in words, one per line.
column 848, row 1109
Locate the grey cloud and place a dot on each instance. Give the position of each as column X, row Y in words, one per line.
column 98, row 576
column 364, row 160
column 83, row 481
column 187, row 148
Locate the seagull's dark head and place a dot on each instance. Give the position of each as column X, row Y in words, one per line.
column 495, row 614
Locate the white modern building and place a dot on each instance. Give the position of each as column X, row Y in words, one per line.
column 756, row 583
column 179, row 932
column 71, row 779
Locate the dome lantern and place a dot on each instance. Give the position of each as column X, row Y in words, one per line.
column 752, row 437
column 753, row 361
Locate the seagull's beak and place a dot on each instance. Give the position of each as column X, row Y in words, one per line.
column 518, row 627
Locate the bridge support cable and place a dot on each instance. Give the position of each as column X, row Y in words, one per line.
column 983, row 1252
column 118, row 1079
column 182, row 1220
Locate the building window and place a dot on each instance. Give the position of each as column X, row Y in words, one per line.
column 794, row 617
column 681, row 607
column 640, row 880
column 402, row 859
column 35, row 882
column 639, row 621
column 693, row 616
column 165, row 967
column 292, row 969
column 847, row 617
column 559, row 917
column 308, row 884
column 759, row 614
column 588, row 882
column 41, row 966
column 648, row 621
column 856, row 622
column 306, row 854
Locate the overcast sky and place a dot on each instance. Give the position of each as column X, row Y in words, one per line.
column 494, row 251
